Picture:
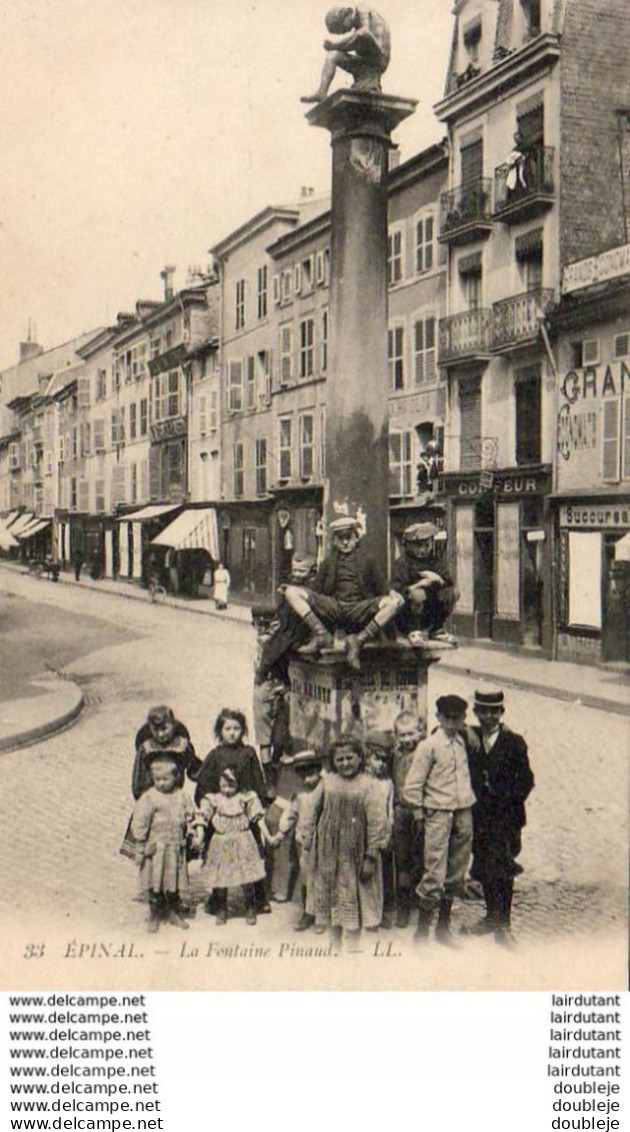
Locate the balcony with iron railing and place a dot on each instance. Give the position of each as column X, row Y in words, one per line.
column 516, row 321
column 466, row 212
column 465, row 337
column 524, row 187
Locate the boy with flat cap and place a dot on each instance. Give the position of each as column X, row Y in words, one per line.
column 348, row 593
column 502, row 780
column 424, row 584
column 439, row 790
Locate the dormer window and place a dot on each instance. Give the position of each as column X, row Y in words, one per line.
column 472, row 39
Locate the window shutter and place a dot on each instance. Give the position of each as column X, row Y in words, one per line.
column 144, row 479
column 83, row 496
column 622, row 345
column 610, row 441
column 625, row 456
column 83, row 393
column 419, row 351
column 155, row 477
column 118, row 484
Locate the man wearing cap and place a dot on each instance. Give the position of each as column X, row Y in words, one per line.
column 502, row 780
column 347, row 593
column 439, row 791
column 426, row 587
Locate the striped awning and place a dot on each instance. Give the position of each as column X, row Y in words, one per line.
column 34, row 528
column 193, row 529
column 153, row 511
column 21, row 523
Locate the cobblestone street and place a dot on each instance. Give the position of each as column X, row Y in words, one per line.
column 67, row 800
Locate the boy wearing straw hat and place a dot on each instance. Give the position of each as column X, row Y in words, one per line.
column 502, row 780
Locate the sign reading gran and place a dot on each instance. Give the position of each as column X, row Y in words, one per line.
column 596, row 269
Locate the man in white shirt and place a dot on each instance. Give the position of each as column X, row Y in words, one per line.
column 439, row 791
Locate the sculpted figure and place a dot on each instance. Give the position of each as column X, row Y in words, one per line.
column 362, row 46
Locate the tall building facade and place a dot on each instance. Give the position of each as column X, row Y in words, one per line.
column 526, row 109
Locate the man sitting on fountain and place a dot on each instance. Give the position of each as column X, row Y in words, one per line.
column 427, row 589
column 347, row 594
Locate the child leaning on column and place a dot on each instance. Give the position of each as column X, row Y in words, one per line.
column 439, row 791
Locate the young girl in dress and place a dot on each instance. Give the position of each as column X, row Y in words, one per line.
column 346, row 828
column 161, row 819
column 234, row 858
column 231, row 751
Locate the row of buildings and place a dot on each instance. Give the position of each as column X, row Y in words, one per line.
column 193, row 430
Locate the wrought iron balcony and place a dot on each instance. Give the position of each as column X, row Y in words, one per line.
column 466, row 212
column 465, row 337
column 516, row 321
column 524, row 188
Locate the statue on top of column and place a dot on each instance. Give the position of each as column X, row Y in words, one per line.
column 362, row 46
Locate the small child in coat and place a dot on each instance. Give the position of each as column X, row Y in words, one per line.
column 308, row 765
column 379, row 754
column 233, row 858
column 346, row 829
column 160, row 822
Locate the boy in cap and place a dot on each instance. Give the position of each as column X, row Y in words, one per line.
column 439, row 790
column 308, row 766
column 347, row 593
column 502, row 780
column 409, row 731
column 424, row 584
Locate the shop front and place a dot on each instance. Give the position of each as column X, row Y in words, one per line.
column 593, row 579
column 499, row 554
column 245, row 545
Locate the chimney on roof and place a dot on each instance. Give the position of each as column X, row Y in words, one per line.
column 30, row 348
column 166, row 275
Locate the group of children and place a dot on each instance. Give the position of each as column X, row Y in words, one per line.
column 374, row 825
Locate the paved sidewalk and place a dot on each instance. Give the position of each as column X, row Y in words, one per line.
column 28, row 720
column 24, row 721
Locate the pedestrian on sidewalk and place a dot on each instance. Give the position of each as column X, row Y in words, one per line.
column 161, row 820
column 502, row 781
column 439, row 790
column 222, row 582
column 77, row 563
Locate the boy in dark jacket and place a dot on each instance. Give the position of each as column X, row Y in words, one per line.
column 348, row 593
column 502, row 780
column 427, row 589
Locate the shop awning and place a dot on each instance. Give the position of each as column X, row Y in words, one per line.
column 193, row 529
column 21, row 523
column 6, row 540
column 153, row 511
column 6, row 520
column 34, row 528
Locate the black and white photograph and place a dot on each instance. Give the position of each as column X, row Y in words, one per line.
column 315, row 495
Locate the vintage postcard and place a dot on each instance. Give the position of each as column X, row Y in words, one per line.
column 314, row 507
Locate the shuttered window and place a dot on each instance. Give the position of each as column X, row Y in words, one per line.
column 610, row 440
column 424, row 349
column 470, row 426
